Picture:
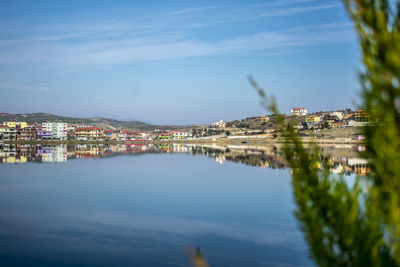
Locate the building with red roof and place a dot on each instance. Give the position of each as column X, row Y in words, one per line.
column 299, row 111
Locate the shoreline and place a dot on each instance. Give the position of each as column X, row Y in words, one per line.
column 218, row 141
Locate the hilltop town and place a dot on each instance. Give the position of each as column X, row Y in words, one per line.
column 339, row 125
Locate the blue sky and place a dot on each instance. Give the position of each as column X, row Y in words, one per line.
column 175, row 62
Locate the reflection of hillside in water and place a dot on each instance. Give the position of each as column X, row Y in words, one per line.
column 268, row 157
column 343, row 159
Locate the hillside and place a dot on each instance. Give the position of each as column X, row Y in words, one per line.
column 254, row 123
column 99, row 122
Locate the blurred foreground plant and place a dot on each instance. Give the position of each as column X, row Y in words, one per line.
column 356, row 225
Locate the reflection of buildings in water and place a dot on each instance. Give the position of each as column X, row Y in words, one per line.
column 13, row 153
column 137, row 148
column 165, row 148
column 181, row 148
column 242, row 154
column 87, row 151
column 359, row 166
column 270, row 157
column 220, row 159
column 121, row 148
column 8, row 150
column 15, row 159
column 338, row 169
column 144, row 148
column 361, row 148
column 264, row 157
column 55, row 154
column 9, row 154
column 348, row 165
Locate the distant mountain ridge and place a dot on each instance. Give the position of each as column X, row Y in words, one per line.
column 99, row 122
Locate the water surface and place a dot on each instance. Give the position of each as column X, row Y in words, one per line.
column 145, row 205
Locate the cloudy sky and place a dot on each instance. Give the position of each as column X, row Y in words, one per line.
column 175, row 62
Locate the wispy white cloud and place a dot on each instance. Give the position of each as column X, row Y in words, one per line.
column 156, row 25
column 106, row 42
column 260, row 11
column 11, row 85
column 174, row 46
column 35, row 88
column 190, row 10
column 284, row 3
column 296, row 10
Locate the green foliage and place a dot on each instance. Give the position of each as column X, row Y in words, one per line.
column 210, row 132
column 379, row 31
column 356, row 225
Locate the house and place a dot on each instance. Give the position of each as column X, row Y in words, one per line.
column 219, row 124
column 111, row 136
column 129, row 135
column 145, row 135
column 70, row 128
column 312, row 120
column 164, row 136
column 264, row 118
column 338, row 124
column 338, row 114
column 122, row 136
column 181, row 134
column 330, row 119
column 348, row 117
column 89, row 133
column 299, row 111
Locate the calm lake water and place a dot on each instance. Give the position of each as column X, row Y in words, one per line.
column 146, row 205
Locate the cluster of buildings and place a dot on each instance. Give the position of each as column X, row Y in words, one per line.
column 23, row 131
column 335, row 119
column 11, row 130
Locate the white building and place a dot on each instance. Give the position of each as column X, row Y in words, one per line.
column 219, row 124
column 145, row 135
column 59, row 129
column 338, row 114
column 181, row 135
column 299, row 111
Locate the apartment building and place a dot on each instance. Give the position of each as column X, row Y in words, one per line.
column 89, row 133
column 27, row 133
column 7, row 133
column 15, row 124
column 59, row 129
